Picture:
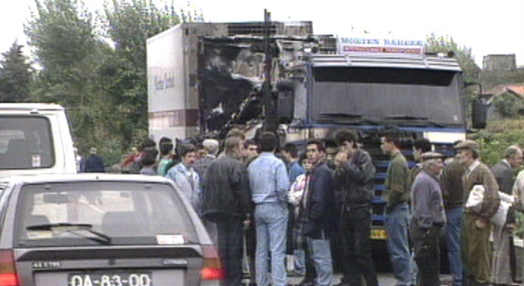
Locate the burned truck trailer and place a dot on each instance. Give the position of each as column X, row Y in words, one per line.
column 205, row 78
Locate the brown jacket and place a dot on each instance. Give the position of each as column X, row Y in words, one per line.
column 482, row 175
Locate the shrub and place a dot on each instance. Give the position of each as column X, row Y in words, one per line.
column 507, row 105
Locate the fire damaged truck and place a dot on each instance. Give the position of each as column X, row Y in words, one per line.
column 205, row 78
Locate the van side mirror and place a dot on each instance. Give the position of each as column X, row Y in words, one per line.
column 479, row 113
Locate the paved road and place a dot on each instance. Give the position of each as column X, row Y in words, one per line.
column 385, row 275
column 384, row 279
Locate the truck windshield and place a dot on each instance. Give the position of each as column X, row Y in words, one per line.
column 407, row 97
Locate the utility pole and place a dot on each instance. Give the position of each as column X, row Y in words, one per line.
column 270, row 105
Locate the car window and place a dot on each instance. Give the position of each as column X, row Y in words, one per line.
column 25, row 142
column 4, row 199
column 126, row 212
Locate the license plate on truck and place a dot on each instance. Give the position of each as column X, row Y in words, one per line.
column 131, row 278
column 379, row 234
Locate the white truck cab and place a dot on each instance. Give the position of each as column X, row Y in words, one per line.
column 35, row 139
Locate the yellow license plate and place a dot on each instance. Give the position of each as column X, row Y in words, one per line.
column 379, row 234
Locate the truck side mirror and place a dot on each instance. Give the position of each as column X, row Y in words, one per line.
column 285, row 85
column 286, row 100
column 286, row 108
column 479, row 113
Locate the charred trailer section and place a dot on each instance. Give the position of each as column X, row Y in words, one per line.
column 204, row 78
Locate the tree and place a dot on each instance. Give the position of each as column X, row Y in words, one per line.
column 96, row 67
column 63, row 36
column 470, row 71
column 464, row 55
column 15, row 75
column 68, row 49
column 124, row 75
column 508, row 104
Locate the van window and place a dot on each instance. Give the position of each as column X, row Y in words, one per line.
column 25, row 142
column 126, row 212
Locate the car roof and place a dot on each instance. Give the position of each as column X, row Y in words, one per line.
column 83, row 177
column 30, row 106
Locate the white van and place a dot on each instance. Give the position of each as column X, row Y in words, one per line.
column 35, row 139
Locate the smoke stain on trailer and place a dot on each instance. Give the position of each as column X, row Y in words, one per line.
column 230, row 82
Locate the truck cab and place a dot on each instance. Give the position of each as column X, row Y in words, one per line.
column 415, row 94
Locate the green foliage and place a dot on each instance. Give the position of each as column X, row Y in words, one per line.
column 15, row 75
column 518, row 231
column 464, row 55
column 64, row 37
column 508, row 104
column 123, row 75
column 497, row 138
column 62, row 31
column 101, row 81
column 470, row 70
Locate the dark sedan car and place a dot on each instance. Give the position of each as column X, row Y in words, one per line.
column 101, row 230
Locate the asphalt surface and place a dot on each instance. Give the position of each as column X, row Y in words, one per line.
column 384, row 279
column 385, row 275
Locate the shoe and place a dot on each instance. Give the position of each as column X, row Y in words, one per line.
column 295, row 273
column 306, row 283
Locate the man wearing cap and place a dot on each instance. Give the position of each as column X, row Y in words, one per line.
column 503, row 247
column 420, row 146
column 476, row 251
column 428, row 218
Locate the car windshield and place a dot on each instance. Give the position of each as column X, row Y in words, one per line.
column 86, row 213
column 25, row 142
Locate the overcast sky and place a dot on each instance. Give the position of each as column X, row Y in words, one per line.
column 488, row 27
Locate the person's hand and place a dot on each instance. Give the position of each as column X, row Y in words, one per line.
column 481, row 223
column 247, row 222
column 341, row 158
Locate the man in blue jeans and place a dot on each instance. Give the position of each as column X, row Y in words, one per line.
column 318, row 215
column 451, row 181
column 397, row 195
column 269, row 187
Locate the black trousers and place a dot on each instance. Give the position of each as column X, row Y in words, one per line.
column 427, row 255
column 230, row 248
column 355, row 228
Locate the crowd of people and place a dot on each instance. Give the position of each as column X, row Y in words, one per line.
column 285, row 212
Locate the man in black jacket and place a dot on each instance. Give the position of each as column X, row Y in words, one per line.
column 318, row 215
column 354, row 179
column 227, row 202
column 504, row 171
